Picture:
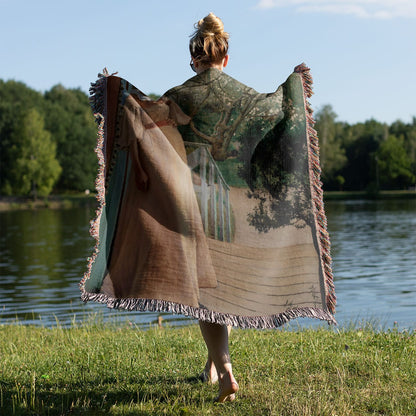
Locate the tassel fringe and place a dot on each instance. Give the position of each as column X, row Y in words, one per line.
column 201, row 313
column 97, row 103
column 316, row 189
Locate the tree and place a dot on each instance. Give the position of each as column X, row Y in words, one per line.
column 15, row 92
column 16, row 98
column 394, row 164
column 36, row 169
column 408, row 133
column 71, row 123
column 153, row 96
column 332, row 154
column 8, row 118
column 362, row 141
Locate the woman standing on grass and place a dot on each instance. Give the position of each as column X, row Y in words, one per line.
column 209, row 55
column 211, row 203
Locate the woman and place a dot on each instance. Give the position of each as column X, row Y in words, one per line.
column 209, row 51
column 211, row 203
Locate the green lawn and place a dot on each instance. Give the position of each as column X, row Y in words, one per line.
column 108, row 369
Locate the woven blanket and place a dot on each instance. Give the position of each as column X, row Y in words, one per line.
column 210, row 202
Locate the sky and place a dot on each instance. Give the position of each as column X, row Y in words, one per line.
column 362, row 53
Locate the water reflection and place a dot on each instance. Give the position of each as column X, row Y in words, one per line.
column 374, row 252
column 43, row 257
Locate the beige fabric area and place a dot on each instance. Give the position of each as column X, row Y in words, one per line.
column 251, row 276
column 160, row 250
column 259, row 281
column 259, row 276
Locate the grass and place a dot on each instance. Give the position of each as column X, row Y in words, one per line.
column 104, row 369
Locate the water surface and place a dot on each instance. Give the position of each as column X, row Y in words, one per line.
column 43, row 257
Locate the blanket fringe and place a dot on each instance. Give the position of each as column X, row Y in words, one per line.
column 97, row 102
column 201, row 313
column 316, row 189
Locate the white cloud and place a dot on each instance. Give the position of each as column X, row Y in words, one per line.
column 375, row 9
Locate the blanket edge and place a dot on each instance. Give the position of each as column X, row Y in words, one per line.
column 316, row 189
column 201, row 313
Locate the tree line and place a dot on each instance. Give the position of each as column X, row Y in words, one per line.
column 47, row 143
column 47, row 140
column 367, row 156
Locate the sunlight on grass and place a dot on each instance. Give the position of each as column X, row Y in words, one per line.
column 118, row 369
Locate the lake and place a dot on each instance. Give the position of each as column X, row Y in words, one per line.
column 43, row 257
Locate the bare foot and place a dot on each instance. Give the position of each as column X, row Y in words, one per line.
column 228, row 388
column 229, row 398
column 209, row 374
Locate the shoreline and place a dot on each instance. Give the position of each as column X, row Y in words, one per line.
column 364, row 195
column 62, row 201
column 66, row 201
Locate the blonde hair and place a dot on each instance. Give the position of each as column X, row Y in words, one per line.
column 209, row 42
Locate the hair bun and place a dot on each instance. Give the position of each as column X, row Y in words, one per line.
column 209, row 43
column 211, row 25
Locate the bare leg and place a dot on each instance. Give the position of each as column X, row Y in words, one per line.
column 209, row 374
column 216, row 339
